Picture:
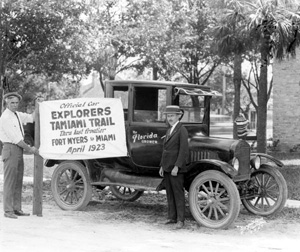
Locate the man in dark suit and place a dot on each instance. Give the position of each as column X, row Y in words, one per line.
column 173, row 165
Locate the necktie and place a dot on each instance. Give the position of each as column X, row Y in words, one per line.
column 21, row 128
column 168, row 133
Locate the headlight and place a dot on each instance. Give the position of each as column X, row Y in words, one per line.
column 256, row 162
column 235, row 163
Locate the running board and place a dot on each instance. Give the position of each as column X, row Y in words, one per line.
column 111, row 177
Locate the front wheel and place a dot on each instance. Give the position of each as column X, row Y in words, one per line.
column 214, row 200
column 70, row 185
column 270, row 192
column 126, row 193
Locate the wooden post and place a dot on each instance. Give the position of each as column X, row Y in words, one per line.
column 38, row 168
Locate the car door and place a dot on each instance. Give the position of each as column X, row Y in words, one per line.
column 147, row 126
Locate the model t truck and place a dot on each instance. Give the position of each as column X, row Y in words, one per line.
column 222, row 173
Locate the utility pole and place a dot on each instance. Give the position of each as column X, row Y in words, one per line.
column 224, row 75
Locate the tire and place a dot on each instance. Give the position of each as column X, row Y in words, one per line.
column 270, row 192
column 126, row 193
column 70, row 185
column 214, row 200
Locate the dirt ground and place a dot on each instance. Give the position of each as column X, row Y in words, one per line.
column 109, row 225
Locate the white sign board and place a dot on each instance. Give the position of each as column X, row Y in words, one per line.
column 83, row 128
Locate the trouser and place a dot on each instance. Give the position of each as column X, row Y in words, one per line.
column 13, row 161
column 175, row 196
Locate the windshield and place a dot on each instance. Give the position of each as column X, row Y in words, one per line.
column 193, row 107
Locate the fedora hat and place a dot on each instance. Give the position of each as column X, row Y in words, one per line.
column 173, row 109
column 12, row 94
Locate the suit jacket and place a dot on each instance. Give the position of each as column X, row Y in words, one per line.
column 175, row 149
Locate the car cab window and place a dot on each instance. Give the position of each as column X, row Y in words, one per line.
column 193, row 107
column 149, row 104
column 122, row 93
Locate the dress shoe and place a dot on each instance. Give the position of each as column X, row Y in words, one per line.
column 179, row 225
column 170, row 222
column 21, row 213
column 10, row 215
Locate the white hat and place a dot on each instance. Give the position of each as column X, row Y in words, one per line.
column 173, row 109
column 12, row 94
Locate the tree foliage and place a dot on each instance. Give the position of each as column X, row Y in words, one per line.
column 38, row 38
column 173, row 38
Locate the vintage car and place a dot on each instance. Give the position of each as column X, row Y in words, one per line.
column 222, row 173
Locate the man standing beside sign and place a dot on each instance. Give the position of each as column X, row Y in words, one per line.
column 12, row 137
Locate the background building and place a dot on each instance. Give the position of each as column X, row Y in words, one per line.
column 286, row 103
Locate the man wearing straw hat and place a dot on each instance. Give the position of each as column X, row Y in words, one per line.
column 173, row 165
column 12, row 137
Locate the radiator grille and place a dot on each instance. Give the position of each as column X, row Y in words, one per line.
column 196, row 155
column 243, row 154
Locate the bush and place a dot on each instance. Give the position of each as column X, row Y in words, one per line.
column 291, row 173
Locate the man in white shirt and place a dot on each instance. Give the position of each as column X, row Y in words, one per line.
column 12, row 137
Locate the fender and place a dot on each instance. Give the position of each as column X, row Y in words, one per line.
column 263, row 155
column 220, row 165
column 52, row 162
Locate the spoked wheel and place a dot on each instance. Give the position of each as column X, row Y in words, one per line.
column 270, row 192
column 70, row 185
column 126, row 193
column 214, row 200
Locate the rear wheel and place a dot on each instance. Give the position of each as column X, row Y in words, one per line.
column 70, row 185
column 126, row 193
column 270, row 192
column 214, row 200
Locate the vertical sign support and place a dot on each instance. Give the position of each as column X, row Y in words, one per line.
column 38, row 167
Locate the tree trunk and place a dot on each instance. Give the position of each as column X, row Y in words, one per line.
column 112, row 67
column 237, row 81
column 1, row 60
column 154, row 73
column 101, row 80
column 262, row 99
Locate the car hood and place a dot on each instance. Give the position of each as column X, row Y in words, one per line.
column 211, row 142
column 203, row 147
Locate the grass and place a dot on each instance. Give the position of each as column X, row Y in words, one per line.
column 291, row 173
column 287, row 214
column 284, row 155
